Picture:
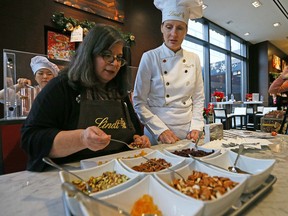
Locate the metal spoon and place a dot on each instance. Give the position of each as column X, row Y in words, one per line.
column 234, row 168
column 198, row 139
column 51, row 163
column 84, row 198
column 129, row 146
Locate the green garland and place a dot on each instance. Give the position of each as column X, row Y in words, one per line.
column 68, row 24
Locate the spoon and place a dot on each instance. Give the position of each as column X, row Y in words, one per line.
column 129, row 146
column 234, row 168
column 47, row 160
column 198, row 139
column 84, row 198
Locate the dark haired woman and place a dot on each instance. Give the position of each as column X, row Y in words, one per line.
column 75, row 116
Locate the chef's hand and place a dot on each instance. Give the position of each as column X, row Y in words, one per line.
column 94, row 138
column 168, row 137
column 193, row 135
column 142, row 141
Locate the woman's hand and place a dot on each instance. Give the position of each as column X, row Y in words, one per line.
column 168, row 137
column 142, row 141
column 193, row 135
column 284, row 74
column 94, row 138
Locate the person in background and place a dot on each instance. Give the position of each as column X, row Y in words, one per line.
column 280, row 84
column 43, row 70
column 75, row 116
column 168, row 94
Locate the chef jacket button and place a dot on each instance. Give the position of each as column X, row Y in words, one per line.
column 167, row 95
column 186, row 71
column 165, row 72
column 164, row 60
column 184, row 102
column 167, row 83
column 184, row 60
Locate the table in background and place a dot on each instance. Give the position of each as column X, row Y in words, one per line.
column 227, row 105
column 31, row 193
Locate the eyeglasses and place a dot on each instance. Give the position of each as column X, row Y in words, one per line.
column 108, row 57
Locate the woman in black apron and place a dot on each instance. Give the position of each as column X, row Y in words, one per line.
column 75, row 116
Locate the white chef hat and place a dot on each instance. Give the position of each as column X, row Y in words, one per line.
column 39, row 62
column 181, row 10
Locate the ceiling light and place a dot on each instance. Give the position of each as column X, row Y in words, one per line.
column 204, row 6
column 276, row 24
column 256, row 4
column 247, row 33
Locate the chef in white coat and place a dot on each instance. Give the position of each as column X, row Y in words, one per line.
column 169, row 93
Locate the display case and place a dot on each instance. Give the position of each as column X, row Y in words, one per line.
column 18, row 102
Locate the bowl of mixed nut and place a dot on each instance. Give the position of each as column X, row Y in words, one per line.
column 154, row 161
column 257, row 170
column 105, row 179
column 217, row 190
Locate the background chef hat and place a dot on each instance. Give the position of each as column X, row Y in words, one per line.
column 181, row 10
column 39, row 62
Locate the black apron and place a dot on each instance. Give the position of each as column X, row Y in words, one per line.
column 112, row 117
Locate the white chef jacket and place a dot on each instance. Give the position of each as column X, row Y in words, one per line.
column 169, row 92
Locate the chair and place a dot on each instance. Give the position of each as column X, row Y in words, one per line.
column 240, row 112
column 226, row 119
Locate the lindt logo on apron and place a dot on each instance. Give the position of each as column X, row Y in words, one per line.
column 103, row 123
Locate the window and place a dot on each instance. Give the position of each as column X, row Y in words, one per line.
column 196, row 29
column 217, row 71
column 217, row 37
column 223, row 58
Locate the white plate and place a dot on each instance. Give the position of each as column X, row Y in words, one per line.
column 85, row 174
column 92, row 162
column 168, row 202
column 170, row 151
column 212, row 207
column 129, row 163
column 259, row 168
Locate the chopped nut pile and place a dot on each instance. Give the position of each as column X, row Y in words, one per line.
column 204, row 187
column 151, row 166
column 106, row 180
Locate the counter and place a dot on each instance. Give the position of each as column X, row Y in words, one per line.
column 30, row 193
column 12, row 157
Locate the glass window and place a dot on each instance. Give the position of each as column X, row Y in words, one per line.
column 217, row 38
column 236, row 77
column 218, row 71
column 196, row 29
column 236, row 46
column 224, row 54
column 192, row 47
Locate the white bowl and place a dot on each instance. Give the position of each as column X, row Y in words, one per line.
column 85, row 174
column 129, row 163
column 169, row 151
column 169, row 203
column 259, row 168
column 96, row 161
column 211, row 207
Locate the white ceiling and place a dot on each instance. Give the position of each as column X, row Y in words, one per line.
column 257, row 21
